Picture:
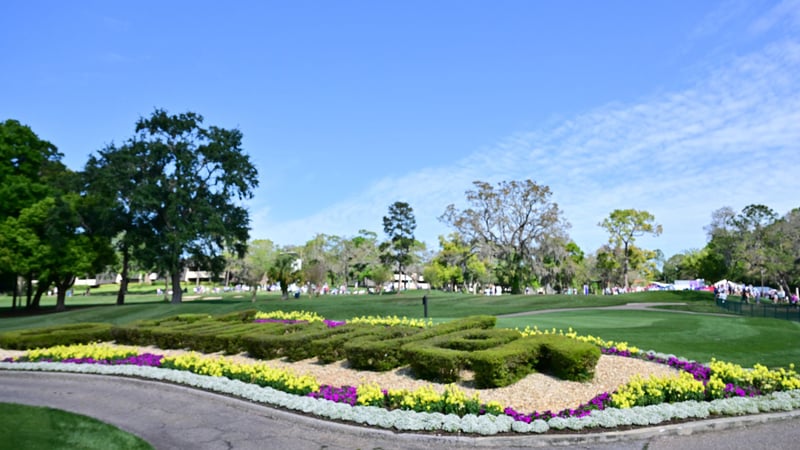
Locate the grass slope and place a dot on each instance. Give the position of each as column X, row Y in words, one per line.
column 711, row 334
column 44, row 428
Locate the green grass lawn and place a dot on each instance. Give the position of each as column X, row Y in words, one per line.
column 409, row 303
column 35, row 428
column 742, row 340
column 711, row 334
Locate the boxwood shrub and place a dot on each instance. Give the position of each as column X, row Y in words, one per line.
column 568, row 359
column 379, row 350
column 330, row 348
column 442, row 358
column 383, row 349
column 294, row 343
column 78, row 333
column 506, row 364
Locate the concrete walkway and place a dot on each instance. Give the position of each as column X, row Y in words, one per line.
column 178, row 417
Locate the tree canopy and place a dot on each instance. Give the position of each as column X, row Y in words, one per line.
column 755, row 246
column 47, row 230
column 623, row 227
column 510, row 222
column 399, row 226
column 187, row 192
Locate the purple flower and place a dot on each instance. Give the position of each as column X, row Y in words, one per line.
column 344, row 394
column 334, row 323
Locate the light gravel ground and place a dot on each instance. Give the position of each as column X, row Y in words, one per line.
column 536, row 392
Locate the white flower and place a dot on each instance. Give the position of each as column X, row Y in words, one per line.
column 412, row 421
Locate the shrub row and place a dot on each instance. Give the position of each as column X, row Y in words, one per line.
column 295, row 344
column 442, row 358
column 79, row 333
column 498, row 357
column 568, row 359
column 382, row 350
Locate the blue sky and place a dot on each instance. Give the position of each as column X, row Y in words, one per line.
column 677, row 107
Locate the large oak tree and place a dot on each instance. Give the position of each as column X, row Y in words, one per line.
column 187, row 191
column 510, row 222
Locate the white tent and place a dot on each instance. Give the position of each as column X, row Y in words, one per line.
column 726, row 283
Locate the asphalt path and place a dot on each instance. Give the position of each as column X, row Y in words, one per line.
column 178, row 417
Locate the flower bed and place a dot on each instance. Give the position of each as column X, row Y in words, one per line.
column 699, row 391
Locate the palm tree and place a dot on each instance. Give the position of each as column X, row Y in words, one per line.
column 285, row 272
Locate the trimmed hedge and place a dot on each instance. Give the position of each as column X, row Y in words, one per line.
column 247, row 315
column 568, row 359
column 442, row 358
column 331, row 348
column 227, row 339
column 559, row 356
column 506, row 364
column 498, row 357
column 379, row 350
column 294, row 344
column 382, row 351
column 78, row 333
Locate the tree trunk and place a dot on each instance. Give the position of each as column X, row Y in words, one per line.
column 37, row 296
column 28, row 290
column 177, row 294
column 16, row 289
column 123, row 283
column 123, row 289
column 61, row 300
column 625, row 266
column 63, row 285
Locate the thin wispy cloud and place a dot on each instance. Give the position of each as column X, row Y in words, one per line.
column 730, row 139
column 786, row 12
column 719, row 18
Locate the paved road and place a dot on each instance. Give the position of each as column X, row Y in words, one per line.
column 177, row 417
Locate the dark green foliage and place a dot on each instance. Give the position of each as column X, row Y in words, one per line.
column 567, row 358
column 442, row 358
column 331, row 348
column 184, row 200
column 139, row 333
column 399, row 227
column 474, row 340
column 380, row 350
column 226, row 338
column 79, row 333
column 506, row 364
column 560, row 356
column 248, row 315
column 498, row 357
column 433, row 363
column 196, row 331
column 294, row 344
column 383, row 350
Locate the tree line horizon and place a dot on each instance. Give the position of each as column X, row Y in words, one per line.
column 171, row 197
